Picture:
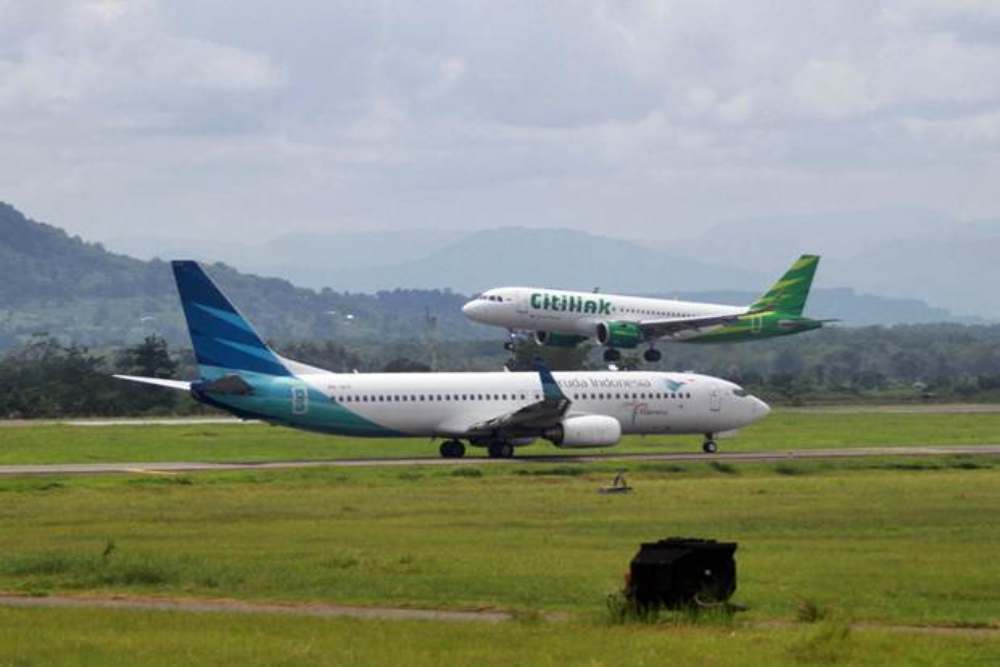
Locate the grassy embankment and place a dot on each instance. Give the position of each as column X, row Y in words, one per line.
column 784, row 429
column 86, row 637
column 900, row 541
column 882, row 541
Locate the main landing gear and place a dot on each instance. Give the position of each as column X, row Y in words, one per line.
column 501, row 450
column 452, row 449
column 513, row 338
column 652, row 355
column 612, row 355
column 709, row 445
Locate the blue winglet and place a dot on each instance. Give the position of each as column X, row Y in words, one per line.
column 550, row 390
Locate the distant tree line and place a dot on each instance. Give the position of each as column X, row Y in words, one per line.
column 48, row 379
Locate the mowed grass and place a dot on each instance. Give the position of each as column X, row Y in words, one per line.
column 783, row 429
column 909, row 541
column 91, row 637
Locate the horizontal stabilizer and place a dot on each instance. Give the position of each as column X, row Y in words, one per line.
column 230, row 384
column 159, row 382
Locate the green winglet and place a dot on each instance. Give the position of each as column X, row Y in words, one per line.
column 788, row 295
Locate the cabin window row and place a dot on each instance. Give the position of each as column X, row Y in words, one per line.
column 661, row 313
column 642, row 395
column 426, row 398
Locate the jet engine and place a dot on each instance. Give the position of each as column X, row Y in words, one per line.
column 549, row 339
column 585, row 431
column 619, row 334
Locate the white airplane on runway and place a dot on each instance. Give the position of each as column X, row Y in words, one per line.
column 499, row 411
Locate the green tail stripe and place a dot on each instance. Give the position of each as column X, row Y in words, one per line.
column 789, row 294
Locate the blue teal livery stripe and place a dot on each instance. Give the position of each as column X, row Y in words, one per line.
column 220, row 335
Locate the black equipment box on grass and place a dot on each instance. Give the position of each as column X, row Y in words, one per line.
column 681, row 571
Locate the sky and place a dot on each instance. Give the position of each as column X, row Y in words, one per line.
column 657, row 119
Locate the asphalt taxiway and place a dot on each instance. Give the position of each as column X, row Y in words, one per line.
column 174, row 467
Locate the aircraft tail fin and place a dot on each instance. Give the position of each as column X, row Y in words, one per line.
column 789, row 294
column 223, row 339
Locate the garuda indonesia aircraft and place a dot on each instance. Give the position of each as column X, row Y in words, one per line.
column 565, row 319
column 242, row 375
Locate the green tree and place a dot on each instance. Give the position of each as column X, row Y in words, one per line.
column 150, row 358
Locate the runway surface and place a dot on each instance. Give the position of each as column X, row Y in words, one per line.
column 330, row 610
column 240, row 607
column 174, row 467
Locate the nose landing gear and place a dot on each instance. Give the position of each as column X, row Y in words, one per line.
column 709, row 446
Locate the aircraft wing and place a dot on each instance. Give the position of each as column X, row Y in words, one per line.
column 180, row 385
column 531, row 418
column 653, row 329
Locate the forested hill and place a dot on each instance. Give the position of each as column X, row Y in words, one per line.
column 43, row 262
column 62, row 286
column 58, row 285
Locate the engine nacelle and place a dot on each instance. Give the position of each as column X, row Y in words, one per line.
column 619, row 334
column 550, row 339
column 585, row 431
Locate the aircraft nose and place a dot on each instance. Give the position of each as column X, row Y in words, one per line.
column 760, row 408
column 469, row 309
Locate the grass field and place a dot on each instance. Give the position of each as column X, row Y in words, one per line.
column 783, row 429
column 161, row 638
column 881, row 541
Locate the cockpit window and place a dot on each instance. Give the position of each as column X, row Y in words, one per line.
column 739, row 391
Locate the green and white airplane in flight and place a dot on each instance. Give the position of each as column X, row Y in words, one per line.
column 565, row 319
column 497, row 411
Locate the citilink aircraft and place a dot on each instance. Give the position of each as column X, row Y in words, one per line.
column 559, row 318
column 499, row 411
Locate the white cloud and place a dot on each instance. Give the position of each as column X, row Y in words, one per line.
column 204, row 119
column 976, row 130
column 101, row 54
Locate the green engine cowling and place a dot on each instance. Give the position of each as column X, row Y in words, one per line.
column 550, row 339
column 619, row 334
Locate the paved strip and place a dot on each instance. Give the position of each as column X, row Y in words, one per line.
column 165, row 421
column 899, row 409
column 239, row 607
column 167, row 467
column 125, row 421
column 322, row 610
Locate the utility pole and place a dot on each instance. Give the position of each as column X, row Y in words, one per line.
column 430, row 322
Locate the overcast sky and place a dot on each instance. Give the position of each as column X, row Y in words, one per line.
column 191, row 118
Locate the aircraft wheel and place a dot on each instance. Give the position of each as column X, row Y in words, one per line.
column 509, row 346
column 652, row 355
column 501, row 450
column 710, row 447
column 611, row 354
column 452, row 449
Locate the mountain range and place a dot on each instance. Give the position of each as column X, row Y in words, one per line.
column 913, row 255
column 386, row 286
